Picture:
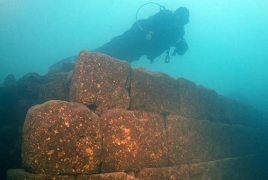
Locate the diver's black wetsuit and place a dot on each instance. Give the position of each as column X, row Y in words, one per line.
column 153, row 37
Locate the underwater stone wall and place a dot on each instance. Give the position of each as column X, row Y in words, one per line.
column 123, row 123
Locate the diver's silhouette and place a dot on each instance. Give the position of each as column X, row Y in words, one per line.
column 150, row 37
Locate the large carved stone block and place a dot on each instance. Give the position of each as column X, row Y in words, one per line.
column 191, row 140
column 154, row 92
column 198, row 102
column 57, row 86
column 201, row 103
column 133, row 140
column 60, row 137
column 101, row 82
column 235, row 112
column 246, row 167
column 20, row 174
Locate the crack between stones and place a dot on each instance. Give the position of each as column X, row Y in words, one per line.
column 165, row 126
column 128, row 87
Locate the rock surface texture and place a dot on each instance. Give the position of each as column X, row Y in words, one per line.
column 131, row 124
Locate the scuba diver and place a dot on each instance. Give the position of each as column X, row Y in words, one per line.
column 151, row 37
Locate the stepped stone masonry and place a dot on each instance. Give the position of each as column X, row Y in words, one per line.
column 132, row 124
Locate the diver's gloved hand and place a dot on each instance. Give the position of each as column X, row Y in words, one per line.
column 180, row 47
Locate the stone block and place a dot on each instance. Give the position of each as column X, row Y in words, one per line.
column 100, row 82
column 154, row 91
column 191, row 140
column 240, row 113
column 20, row 174
column 60, row 137
column 198, row 102
column 245, row 167
column 245, row 140
column 56, row 90
column 133, row 140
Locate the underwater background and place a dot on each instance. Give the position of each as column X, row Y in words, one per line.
column 227, row 39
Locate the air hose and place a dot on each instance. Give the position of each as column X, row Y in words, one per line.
column 160, row 6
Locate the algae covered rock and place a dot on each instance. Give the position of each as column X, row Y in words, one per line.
column 154, row 91
column 198, row 102
column 61, row 137
column 133, row 140
column 100, row 82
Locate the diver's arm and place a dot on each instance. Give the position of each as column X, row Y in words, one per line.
column 180, row 47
